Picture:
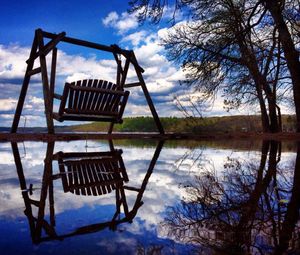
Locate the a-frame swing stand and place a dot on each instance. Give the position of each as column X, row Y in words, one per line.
column 40, row 50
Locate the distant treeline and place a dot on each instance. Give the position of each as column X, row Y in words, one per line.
column 208, row 125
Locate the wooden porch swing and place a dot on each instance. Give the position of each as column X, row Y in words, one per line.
column 86, row 100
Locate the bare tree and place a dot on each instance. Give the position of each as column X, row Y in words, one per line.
column 228, row 211
column 229, row 47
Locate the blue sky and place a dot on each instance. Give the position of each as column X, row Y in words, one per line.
column 104, row 22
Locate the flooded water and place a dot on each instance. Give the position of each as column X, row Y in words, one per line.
column 149, row 197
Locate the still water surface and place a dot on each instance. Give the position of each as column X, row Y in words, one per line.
column 139, row 197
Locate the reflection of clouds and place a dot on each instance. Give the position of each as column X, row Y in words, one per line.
column 163, row 190
column 120, row 244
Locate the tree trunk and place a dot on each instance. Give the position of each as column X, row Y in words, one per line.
column 290, row 52
column 263, row 113
column 292, row 212
column 279, row 118
column 274, row 127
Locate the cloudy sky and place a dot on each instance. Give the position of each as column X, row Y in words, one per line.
column 104, row 22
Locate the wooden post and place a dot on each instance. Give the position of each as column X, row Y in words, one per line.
column 24, row 88
column 118, row 81
column 46, row 89
column 125, row 71
column 138, row 202
column 111, row 127
column 23, row 187
column 119, row 69
column 52, row 76
column 44, row 190
column 148, row 97
column 111, row 145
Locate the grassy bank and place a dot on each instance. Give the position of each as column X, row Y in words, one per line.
column 209, row 125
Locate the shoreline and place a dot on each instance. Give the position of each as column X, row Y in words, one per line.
column 67, row 136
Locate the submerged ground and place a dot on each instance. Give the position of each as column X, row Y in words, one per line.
column 181, row 197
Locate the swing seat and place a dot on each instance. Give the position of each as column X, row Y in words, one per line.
column 91, row 173
column 91, row 100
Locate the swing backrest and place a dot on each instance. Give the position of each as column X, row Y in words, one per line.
column 91, row 173
column 93, row 97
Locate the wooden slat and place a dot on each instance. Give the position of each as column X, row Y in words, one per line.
column 82, row 94
column 88, row 94
column 86, row 177
column 110, row 100
column 115, row 103
column 105, row 97
column 97, row 98
column 70, row 177
column 101, row 178
column 97, row 179
column 90, row 105
column 76, row 94
column 100, row 98
column 76, row 180
column 108, row 176
column 108, row 97
column 115, row 174
column 71, row 94
column 82, row 184
column 92, row 179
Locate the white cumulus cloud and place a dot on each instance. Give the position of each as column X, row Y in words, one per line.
column 122, row 23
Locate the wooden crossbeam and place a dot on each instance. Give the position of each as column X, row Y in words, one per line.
column 131, row 85
column 49, row 46
column 34, row 71
column 112, row 49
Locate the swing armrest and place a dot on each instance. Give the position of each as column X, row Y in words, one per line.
column 123, row 104
column 57, row 96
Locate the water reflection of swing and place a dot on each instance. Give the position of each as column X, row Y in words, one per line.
column 87, row 173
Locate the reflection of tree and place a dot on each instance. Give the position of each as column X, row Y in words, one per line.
column 246, row 208
column 153, row 249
